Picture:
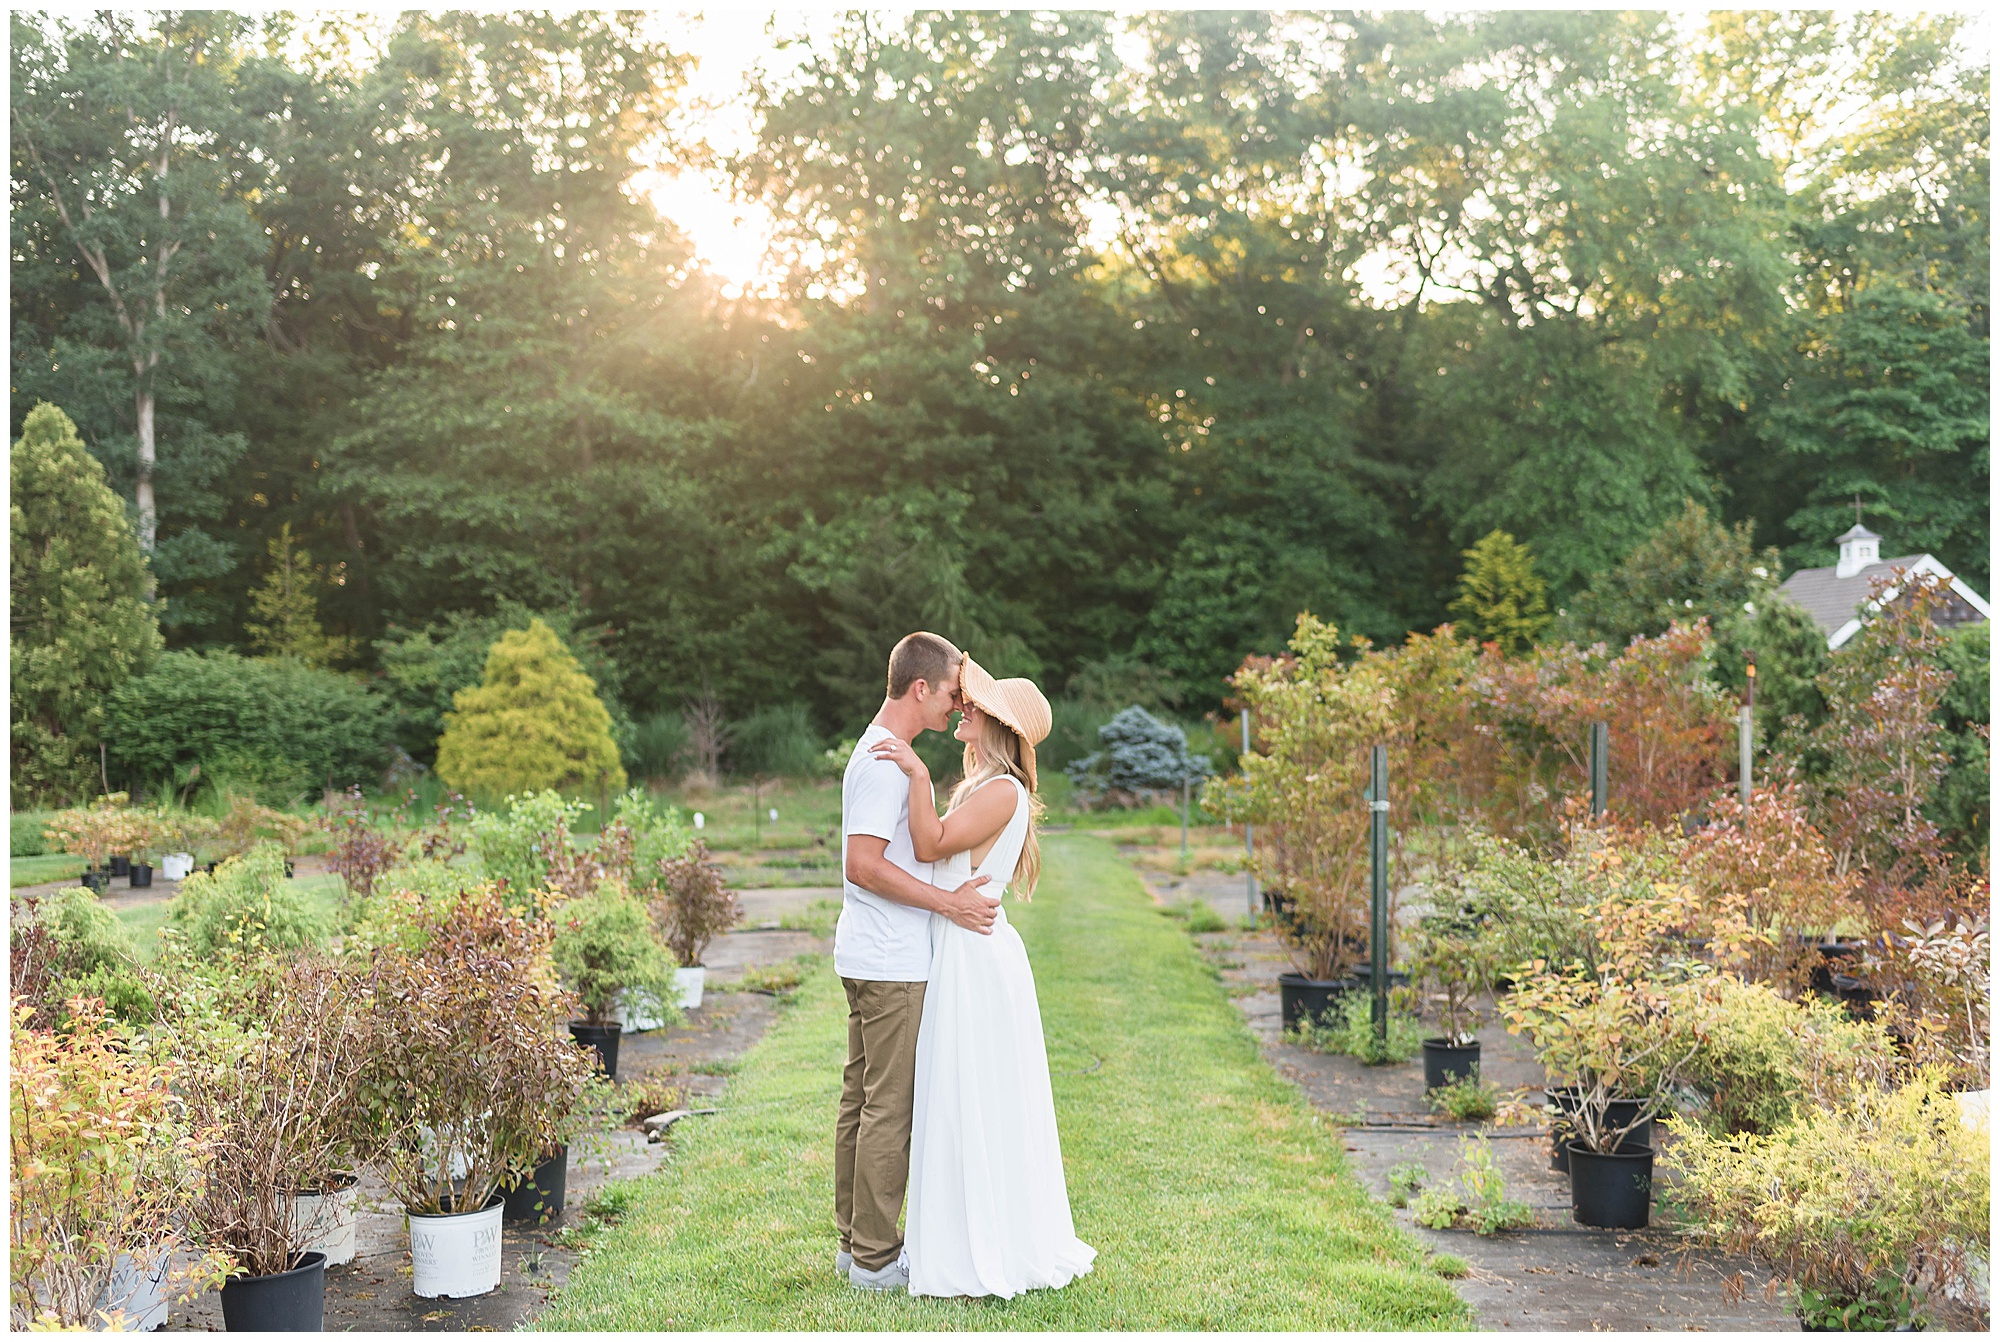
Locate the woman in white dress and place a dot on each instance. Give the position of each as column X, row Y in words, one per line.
column 988, row 1206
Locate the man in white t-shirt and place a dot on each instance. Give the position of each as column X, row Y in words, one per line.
column 882, row 952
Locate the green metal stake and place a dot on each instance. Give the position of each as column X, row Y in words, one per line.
column 1378, row 886
column 1600, row 769
column 1184, row 818
column 1249, row 843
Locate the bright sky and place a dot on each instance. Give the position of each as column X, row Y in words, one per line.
column 731, row 236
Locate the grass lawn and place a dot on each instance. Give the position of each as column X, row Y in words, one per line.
column 1215, row 1198
column 144, row 921
column 44, row 869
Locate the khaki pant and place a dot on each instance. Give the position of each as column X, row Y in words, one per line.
column 871, row 1138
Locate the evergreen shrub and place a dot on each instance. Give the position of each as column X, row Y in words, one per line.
column 242, row 909
column 83, row 622
column 275, row 727
column 422, row 669
column 534, row 722
column 1138, row 754
column 776, row 741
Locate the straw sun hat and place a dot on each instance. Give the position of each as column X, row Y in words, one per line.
column 1015, row 701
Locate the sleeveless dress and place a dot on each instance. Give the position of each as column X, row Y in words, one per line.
column 989, row 1209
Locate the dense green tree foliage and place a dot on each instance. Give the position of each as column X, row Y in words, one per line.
column 82, row 623
column 1101, row 336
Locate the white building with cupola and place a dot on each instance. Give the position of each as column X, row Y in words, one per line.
column 1837, row 598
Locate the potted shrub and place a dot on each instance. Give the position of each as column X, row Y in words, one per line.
column 605, row 950
column 466, row 1081
column 270, row 1067
column 246, row 826
column 1611, row 1040
column 1872, row 1209
column 1305, row 789
column 93, row 833
column 692, row 908
column 539, row 1197
column 179, row 834
column 143, row 832
column 1451, row 966
column 104, row 1168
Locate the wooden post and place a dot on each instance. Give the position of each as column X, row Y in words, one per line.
column 1378, row 888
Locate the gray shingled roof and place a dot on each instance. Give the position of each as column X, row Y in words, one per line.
column 1832, row 601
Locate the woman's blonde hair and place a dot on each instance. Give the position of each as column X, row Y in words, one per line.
column 998, row 752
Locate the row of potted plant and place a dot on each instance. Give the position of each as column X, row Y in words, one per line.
column 117, row 839
column 1687, row 1013
column 435, row 1056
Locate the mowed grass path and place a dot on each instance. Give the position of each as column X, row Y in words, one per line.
column 1215, row 1198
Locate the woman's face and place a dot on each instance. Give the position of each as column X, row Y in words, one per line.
column 971, row 724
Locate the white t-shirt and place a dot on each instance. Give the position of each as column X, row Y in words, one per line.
column 878, row 939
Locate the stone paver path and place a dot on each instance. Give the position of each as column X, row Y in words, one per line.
column 373, row 1293
column 1556, row 1276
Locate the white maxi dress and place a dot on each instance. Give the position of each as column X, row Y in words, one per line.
column 988, row 1206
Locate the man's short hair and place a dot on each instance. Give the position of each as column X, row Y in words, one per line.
column 920, row 656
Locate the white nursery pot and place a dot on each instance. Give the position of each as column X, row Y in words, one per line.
column 139, row 1294
column 330, row 1220
column 689, row 981
column 637, row 1011
column 456, row 1256
column 176, row 866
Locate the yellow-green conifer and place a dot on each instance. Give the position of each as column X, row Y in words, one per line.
column 1500, row 597
column 285, row 610
column 534, row 722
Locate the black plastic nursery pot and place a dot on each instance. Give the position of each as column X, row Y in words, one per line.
column 288, row 869
column 603, row 1038
column 95, row 880
column 142, row 875
column 121, row 866
column 1618, row 1114
column 1613, row 1192
column 283, row 1302
column 1446, row 1062
column 1300, row 997
column 539, row 1197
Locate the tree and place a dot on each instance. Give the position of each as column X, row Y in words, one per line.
column 133, row 167
column 1871, row 768
column 286, row 611
column 81, row 620
column 1693, row 567
column 1500, row 598
column 535, row 722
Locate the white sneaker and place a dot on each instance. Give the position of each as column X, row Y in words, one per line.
column 895, row 1277
column 842, row 1260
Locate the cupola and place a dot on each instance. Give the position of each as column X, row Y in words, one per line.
column 1859, row 547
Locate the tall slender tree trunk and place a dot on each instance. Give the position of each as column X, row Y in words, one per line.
column 149, row 522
